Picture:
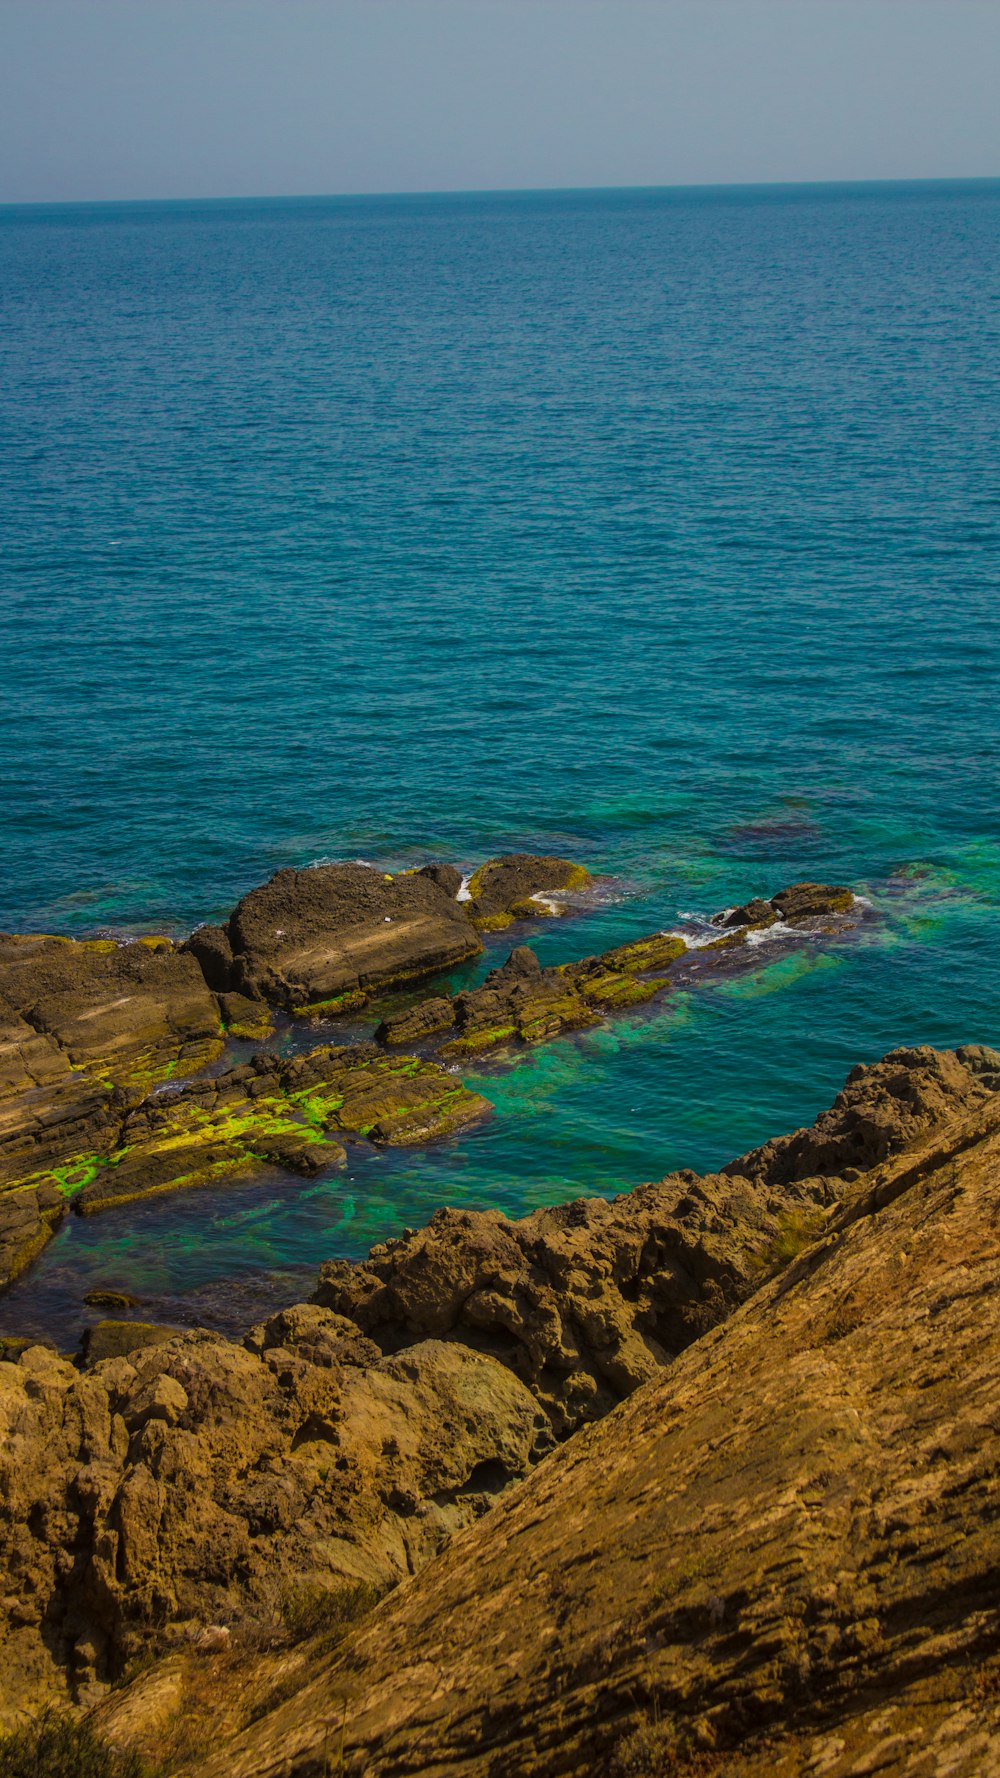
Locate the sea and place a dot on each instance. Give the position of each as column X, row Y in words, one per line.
column 653, row 528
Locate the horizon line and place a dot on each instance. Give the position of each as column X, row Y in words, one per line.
column 502, row 191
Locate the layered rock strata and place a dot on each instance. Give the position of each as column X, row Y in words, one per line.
column 320, row 940
column 192, row 1483
column 286, row 1112
column 523, row 1003
column 777, row 1558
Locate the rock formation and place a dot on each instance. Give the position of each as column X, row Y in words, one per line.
column 93, row 1031
column 522, row 1003
column 778, row 1558
column 519, row 886
column 277, row 1111
column 186, row 1488
column 195, row 1482
column 322, row 939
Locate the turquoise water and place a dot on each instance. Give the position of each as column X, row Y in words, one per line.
column 655, row 528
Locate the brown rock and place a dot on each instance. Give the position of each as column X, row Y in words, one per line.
column 125, row 1012
column 884, row 1107
column 504, row 888
column 199, row 1483
column 322, row 939
column 752, row 913
column 585, row 1301
column 778, row 1558
column 804, row 901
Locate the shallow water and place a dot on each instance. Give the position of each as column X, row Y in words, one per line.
column 659, row 529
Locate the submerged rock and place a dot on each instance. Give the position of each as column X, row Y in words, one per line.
column 319, row 940
column 278, row 1111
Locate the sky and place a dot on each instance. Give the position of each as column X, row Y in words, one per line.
column 113, row 99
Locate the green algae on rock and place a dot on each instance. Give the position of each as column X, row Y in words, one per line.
column 517, row 887
column 284, row 1112
column 522, row 1003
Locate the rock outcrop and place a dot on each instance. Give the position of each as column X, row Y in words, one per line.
column 278, row 1111
column 777, row 1559
column 520, row 886
column 800, row 901
column 523, row 1003
column 883, row 1108
column 85, row 1029
column 585, row 1301
column 195, row 1482
column 320, row 940
column 786, row 1523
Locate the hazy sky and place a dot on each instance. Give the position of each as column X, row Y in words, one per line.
column 203, row 98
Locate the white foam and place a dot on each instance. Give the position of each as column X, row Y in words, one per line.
column 463, row 893
column 764, row 935
column 550, row 902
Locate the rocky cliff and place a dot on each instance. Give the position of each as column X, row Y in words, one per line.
column 703, row 1479
column 778, row 1557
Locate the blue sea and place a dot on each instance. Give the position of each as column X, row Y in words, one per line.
column 654, row 528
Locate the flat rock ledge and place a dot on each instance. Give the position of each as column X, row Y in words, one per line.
column 96, row 1034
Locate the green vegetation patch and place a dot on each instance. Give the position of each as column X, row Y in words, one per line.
column 58, row 1745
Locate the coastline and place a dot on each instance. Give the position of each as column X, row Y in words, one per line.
column 368, row 1434
column 122, row 1081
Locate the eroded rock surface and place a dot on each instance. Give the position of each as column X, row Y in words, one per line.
column 198, row 1482
column 585, row 1301
column 85, row 1029
column 883, row 1108
column 322, row 939
column 777, row 1558
column 523, row 1003
column 517, row 887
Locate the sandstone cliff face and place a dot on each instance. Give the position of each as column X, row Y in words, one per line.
column 779, row 1557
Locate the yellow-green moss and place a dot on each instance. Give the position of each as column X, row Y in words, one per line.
column 491, row 922
column 349, row 1001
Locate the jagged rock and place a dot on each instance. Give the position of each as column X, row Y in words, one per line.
column 884, row 1107
column 804, row 901
column 778, row 1558
column 508, row 888
column 521, row 1002
column 198, row 1482
column 752, row 913
column 320, row 940
column 585, row 1301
